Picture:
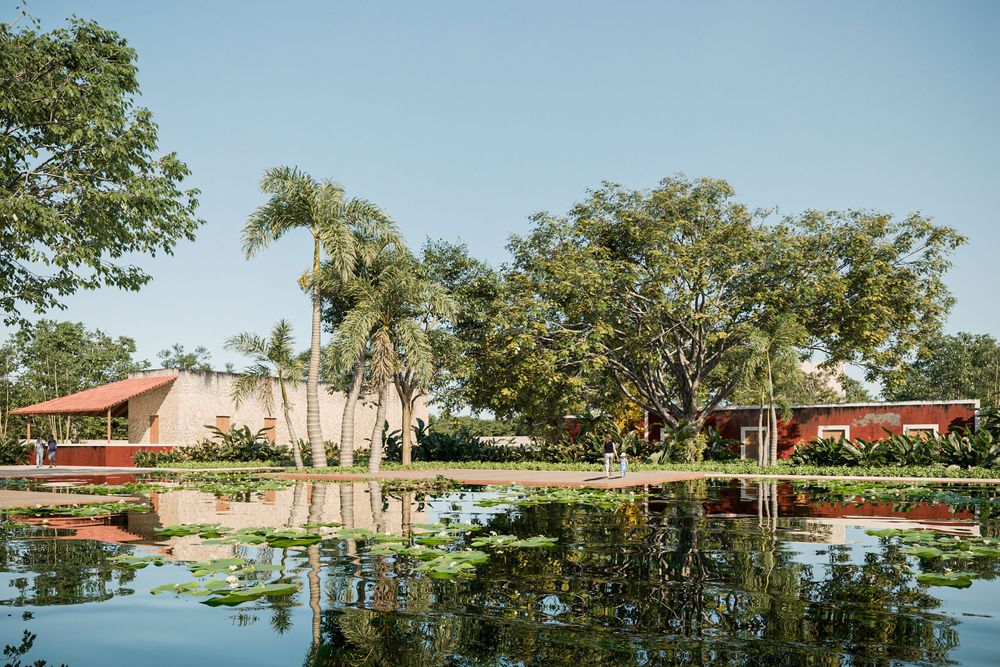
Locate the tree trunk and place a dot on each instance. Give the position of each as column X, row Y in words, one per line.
column 375, row 448
column 760, row 435
column 296, row 452
column 313, row 429
column 406, row 392
column 772, row 431
column 316, row 505
column 375, row 496
column 350, row 407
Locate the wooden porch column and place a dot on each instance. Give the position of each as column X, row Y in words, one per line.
column 27, row 438
column 109, row 426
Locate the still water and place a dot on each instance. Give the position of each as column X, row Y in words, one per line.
column 703, row 572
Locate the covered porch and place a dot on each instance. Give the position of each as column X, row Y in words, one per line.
column 107, row 401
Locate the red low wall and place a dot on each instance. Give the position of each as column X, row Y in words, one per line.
column 97, row 455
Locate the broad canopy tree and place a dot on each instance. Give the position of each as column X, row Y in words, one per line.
column 668, row 289
column 81, row 188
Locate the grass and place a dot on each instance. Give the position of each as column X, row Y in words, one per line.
column 726, row 467
column 206, row 465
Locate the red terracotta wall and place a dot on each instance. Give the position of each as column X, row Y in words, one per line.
column 100, row 455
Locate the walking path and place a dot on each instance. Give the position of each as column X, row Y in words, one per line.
column 590, row 479
column 11, row 499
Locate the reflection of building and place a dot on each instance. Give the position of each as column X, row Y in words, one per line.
column 870, row 421
column 807, row 519
column 167, row 408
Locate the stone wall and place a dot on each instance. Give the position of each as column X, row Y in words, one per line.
column 196, row 400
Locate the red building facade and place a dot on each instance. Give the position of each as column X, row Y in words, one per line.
column 870, row 421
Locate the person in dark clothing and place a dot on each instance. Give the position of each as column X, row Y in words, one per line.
column 610, row 454
column 52, row 452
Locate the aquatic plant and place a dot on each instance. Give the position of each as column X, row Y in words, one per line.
column 931, row 547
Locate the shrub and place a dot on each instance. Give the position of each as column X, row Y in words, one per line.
column 961, row 448
column 13, row 451
column 238, row 444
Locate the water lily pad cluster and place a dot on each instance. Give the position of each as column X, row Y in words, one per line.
column 278, row 538
column 235, row 587
column 138, row 562
column 529, row 497
column 93, row 510
column 932, row 547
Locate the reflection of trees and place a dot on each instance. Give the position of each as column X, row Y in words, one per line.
column 64, row 571
column 626, row 588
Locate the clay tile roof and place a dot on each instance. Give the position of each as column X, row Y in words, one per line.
column 99, row 400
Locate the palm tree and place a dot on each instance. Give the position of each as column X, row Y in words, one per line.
column 412, row 379
column 773, row 349
column 273, row 358
column 322, row 208
column 383, row 323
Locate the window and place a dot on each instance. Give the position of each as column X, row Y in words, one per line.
column 921, row 430
column 269, row 426
column 154, row 429
column 222, row 423
column 835, row 432
column 750, row 442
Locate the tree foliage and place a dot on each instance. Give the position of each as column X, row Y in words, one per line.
column 49, row 359
column 951, row 367
column 665, row 290
column 80, row 186
column 198, row 359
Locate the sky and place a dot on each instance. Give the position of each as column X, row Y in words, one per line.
column 461, row 119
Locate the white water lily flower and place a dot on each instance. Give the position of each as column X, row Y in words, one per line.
column 232, row 579
column 232, row 568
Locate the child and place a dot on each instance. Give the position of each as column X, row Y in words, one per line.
column 623, row 464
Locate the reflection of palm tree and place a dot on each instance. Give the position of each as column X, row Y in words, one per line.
column 316, row 507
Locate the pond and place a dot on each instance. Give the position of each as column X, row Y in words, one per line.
column 700, row 572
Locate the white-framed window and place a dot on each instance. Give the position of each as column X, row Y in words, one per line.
column 926, row 430
column 749, row 440
column 835, row 431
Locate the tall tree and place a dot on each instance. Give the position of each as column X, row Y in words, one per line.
column 384, row 321
column 951, row 367
column 665, row 288
column 80, row 186
column 298, row 201
column 48, row 359
column 274, row 359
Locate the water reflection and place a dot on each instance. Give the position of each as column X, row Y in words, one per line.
column 747, row 573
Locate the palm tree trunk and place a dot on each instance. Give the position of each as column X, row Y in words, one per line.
column 406, row 430
column 760, row 434
column 375, row 448
column 313, row 428
column 773, row 417
column 350, row 407
column 296, row 452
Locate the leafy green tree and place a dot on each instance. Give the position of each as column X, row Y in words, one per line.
column 666, row 288
column 199, row 359
column 80, row 186
column 274, row 358
column 49, row 359
column 951, row 367
column 298, row 201
column 496, row 353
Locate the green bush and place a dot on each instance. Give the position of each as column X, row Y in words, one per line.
column 13, row 451
column 961, row 448
column 238, row 444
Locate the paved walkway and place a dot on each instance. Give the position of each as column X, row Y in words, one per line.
column 10, row 499
column 588, row 479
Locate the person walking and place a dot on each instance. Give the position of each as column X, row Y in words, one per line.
column 39, row 452
column 610, row 453
column 52, row 451
column 623, row 463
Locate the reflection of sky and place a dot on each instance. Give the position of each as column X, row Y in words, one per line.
column 460, row 506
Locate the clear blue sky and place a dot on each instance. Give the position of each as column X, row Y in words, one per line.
column 462, row 118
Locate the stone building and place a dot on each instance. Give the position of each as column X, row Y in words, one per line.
column 180, row 412
column 167, row 408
